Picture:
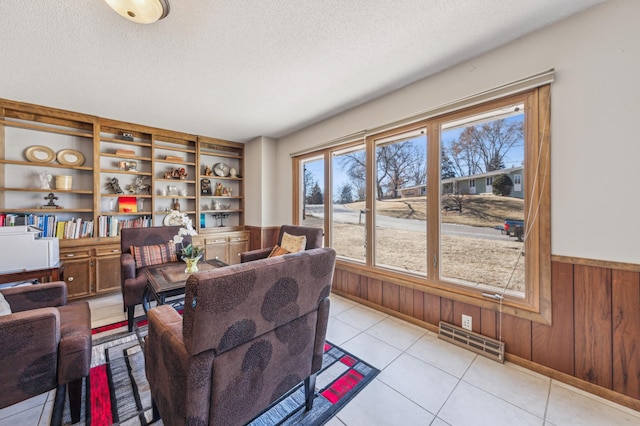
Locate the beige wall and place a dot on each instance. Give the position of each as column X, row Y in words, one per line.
column 260, row 158
column 595, row 109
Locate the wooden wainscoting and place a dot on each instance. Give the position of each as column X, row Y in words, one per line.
column 593, row 342
column 262, row 237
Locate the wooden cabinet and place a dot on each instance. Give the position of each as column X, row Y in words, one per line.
column 107, row 261
column 77, row 271
column 227, row 246
column 90, row 268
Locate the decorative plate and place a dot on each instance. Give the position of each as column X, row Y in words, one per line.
column 175, row 218
column 39, row 154
column 70, row 157
column 221, row 169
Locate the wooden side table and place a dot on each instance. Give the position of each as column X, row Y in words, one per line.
column 53, row 274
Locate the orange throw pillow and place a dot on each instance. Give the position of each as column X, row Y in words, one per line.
column 278, row 251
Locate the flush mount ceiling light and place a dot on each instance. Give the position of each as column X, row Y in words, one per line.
column 141, row 11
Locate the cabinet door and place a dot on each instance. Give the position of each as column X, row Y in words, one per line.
column 235, row 248
column 216, row 251
column 77, row 274
column 107, row 273
column 107, row 268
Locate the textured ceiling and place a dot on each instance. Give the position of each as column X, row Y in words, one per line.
column 238, row 69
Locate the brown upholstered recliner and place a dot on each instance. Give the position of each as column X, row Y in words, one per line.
column 314, row 240
column 250, row 333
column 133, row 280
column 46, row 344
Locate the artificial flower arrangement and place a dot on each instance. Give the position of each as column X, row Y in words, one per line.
column 190, row 251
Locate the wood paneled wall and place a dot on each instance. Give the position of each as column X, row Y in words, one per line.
column 593, row 341
column 262, row 237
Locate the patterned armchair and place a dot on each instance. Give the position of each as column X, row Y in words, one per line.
column 314, row 240
column 133, row 280
column 46, row 344
column 250, row 333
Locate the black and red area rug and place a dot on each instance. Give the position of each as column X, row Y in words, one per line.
column 118, row 391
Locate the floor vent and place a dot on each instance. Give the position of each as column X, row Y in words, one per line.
column 475, row 342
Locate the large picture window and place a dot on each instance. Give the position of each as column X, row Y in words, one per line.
column 457, row 203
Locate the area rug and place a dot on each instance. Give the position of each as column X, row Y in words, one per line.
column 118, row 391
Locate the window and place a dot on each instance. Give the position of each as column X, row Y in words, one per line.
column 426, row 203
column 348, row 211
column 313, row 192
column 400, row 207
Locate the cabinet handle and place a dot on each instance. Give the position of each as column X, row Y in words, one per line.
column 70, row 255
column 116, row 251
column 70, row 279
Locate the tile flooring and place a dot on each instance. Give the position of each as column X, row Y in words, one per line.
column 423, row 380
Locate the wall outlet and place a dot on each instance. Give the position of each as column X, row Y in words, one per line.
column 466, row 322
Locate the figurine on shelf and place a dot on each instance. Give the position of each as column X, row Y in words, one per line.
column 176, row 205
column 114, row 185
column 208, row 171
column 45, row 180
column 51, row 204
column 141, row 188
column 218, row 189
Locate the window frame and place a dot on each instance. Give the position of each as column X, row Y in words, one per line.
column 536, row 304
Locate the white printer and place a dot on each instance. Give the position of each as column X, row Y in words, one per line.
column 21, row 250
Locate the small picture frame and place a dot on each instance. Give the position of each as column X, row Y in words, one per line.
column 205, row 187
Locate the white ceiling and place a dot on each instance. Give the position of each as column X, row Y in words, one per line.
column 238, row 69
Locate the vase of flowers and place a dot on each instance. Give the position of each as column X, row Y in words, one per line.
column 190, row 254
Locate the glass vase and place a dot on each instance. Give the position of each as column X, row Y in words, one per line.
column 192, row 264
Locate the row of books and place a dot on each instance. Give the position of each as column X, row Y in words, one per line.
column 110, row 226
column 50, row 225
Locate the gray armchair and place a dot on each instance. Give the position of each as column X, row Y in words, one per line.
column 250, row 332
column 133, row 280
column 46, row 344
column 314, row 240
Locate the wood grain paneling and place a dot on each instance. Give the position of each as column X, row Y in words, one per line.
column 488, row 323
column 592, row 319
column 374, row 293
column 391, row 296
column 432, row 313
column 405, row 301
column 516, row 333
column 446, row 310
column 552, row 345
column 460, row 308
column 625, row 291
column 418, row 305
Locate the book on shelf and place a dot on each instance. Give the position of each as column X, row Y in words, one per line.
column 50, row 226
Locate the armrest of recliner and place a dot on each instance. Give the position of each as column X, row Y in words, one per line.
column 28, row 352
column 252, row 255
column 127, row 266
column 46, row 295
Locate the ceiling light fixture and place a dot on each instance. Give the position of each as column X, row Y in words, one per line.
column 141, row 11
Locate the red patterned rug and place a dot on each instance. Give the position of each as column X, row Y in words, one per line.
column 118, row 391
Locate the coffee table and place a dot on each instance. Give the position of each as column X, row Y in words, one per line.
column 170, row 280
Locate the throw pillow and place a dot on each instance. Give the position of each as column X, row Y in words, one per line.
column 278, row 251
column 154, row 255
column 293, row 243
column 5, row 309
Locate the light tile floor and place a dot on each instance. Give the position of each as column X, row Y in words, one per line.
column 423, row 380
